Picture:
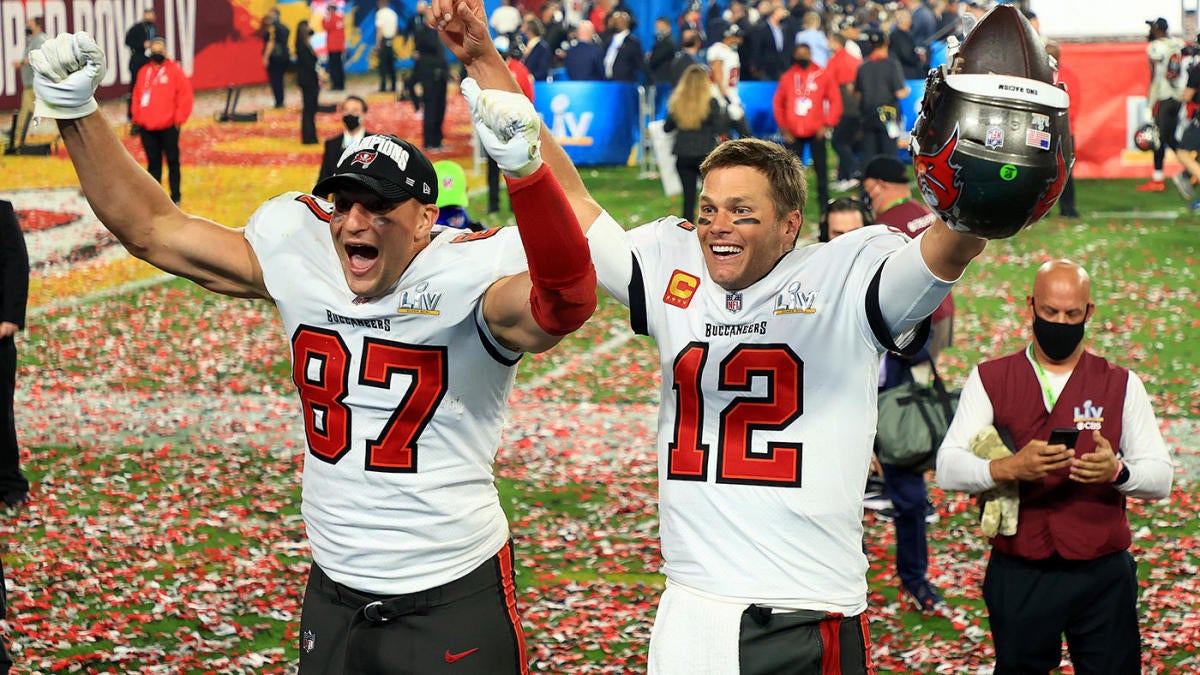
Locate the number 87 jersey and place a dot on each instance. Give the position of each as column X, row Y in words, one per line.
column 403, row 399
column 767, row 417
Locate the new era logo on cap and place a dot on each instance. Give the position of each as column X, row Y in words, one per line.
column 387, row 165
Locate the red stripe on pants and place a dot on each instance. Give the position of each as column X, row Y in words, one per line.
column 507, row 579
column 831, row 638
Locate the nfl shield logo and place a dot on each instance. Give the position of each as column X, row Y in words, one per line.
column 308, row 640
column 994, row 138
column 733, row 302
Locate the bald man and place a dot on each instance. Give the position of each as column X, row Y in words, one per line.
column 1083, row 437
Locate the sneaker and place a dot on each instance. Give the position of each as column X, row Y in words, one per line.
column 931, row 513
column 1183, row 183
column 1152, row 186
column 886, row 515
column 877, row 503
column 1195, row 206
column 923, row 598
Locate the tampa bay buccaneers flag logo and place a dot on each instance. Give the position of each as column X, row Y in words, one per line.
column 364, row 157
column 1054, row 188
column 937, row 175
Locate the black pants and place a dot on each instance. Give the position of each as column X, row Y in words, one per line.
column 337, row 72
column 275, row 71
column 308, row 114
column 845, row 134
column 433, row 95
column 157, row 144
column 875, row 140
column 470, row 625
column 1166, row 118
column 387, row 67
column 688, row 169
column 1032, row 604
column 820, row 158
column 11, row 479
column 801, row 643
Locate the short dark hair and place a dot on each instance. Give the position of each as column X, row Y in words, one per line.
column 360, row 100
column 840, row 205
column 781, row 166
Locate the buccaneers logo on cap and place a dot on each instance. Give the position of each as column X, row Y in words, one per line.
column 937, row 175
column 364, row 157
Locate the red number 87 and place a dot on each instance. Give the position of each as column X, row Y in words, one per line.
column 321, row 371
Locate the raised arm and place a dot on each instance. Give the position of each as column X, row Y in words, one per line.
column 947, row 253
column 532, row 311
column 124, row 197
column 462, row 25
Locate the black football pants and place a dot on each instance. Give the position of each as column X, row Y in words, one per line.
column 470, row 625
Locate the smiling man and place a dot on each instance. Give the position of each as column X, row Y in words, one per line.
column 404, row 350
column 770, row 361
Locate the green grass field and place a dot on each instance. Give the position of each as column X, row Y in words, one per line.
column 165, row 536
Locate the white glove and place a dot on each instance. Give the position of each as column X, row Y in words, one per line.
column 66, row 72
column 735, row 111
column 508, row 125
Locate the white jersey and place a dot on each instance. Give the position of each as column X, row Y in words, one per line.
column 1168, row 77
column 403, row 399
column 731, row 67
column 767, row 417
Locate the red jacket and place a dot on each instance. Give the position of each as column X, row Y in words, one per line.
column 335, row 32
column 162, row 96
column 806, row 99
column 843, row 67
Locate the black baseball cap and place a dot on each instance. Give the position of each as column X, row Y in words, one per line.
column 887, row 169
column 1159, row 23
column 387, row 165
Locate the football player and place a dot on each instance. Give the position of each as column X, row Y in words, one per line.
column 770, row 360
column 404, row 350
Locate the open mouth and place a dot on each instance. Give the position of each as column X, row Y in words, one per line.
column 361, row 257
column 724, row 251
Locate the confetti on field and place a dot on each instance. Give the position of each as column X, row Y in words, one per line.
column 160, row 429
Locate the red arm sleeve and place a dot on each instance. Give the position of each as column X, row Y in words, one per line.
column 563, row 296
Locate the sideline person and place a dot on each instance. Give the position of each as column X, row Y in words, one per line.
column 1067, row 569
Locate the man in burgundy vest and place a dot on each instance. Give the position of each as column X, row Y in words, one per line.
column 1067, row 569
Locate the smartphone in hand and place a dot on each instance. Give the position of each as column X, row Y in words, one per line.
column 1064, row 436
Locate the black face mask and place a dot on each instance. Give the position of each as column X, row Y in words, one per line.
column 351, row 121
column 158, row 58
column 1057, row 340
column 803, row 63
column 29, row 31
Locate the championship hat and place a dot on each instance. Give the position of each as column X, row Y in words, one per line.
column 387, row 165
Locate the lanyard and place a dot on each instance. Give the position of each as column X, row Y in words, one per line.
column 1043, row 379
